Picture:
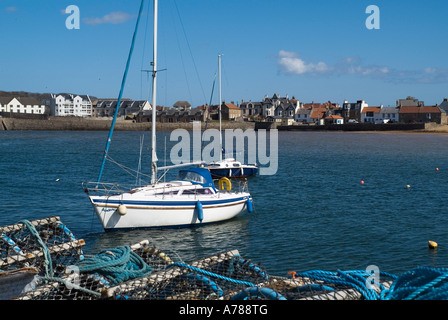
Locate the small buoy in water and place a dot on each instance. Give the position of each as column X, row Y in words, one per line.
column 58, row 179
column 362, row 181
column 408, row 186
column 437, row 169
column 432, row 244
column 122, row 210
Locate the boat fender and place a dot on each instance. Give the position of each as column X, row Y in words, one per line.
column 200, row 211
column 122, row 210
column 227, row 182
column 250, row 207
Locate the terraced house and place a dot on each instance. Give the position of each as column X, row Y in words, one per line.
column 422, row 114
column 22, row 105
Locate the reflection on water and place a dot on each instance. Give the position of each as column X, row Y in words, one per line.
column 186, row 244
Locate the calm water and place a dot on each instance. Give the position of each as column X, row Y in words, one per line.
column 313, row 214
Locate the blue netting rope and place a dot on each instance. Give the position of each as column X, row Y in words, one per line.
column 117, row 265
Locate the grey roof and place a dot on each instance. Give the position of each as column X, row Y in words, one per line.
column 5, row 100
column 29, row 101
column 389, row 110
column 182, row 104
column 303, row 111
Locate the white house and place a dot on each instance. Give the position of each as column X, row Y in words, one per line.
column 302, row 115
column 379, row 115
column 22, row 105
column 4, row 101
column 370, row 114
column 388, row 114
column 70, row 105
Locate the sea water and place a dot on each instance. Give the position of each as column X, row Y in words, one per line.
column 339, row 200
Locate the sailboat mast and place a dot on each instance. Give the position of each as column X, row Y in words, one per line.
column 154, row 103
column 220, row 102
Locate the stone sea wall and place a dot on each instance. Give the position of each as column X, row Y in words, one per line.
column 87, row 124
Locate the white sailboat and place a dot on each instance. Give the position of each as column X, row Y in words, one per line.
column 228, row 167
column 190, row 200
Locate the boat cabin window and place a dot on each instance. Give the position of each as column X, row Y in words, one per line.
column 197, row 191
column 167, row 193
column 236, row 164
column 192, row 176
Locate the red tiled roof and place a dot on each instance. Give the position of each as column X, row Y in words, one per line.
column 371, row 109
column 334, row 116
column 429, row 109
column 231, row 106
column 423, row 109
column 318, row 113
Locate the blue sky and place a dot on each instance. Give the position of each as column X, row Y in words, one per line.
column 312, row 50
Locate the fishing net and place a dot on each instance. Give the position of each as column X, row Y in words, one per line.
column 42, row 260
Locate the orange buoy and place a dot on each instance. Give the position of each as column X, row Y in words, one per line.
column 432, row 244
column 362, row 181
column 437, row 169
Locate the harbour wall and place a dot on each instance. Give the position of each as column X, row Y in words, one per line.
column 89, row 124
column 358, row 127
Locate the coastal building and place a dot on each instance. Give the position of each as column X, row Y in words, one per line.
column 182, row 106
column 334, row 119
column 64, row 104
column 422, row 114
column 172, row 115
column 318, row 115
column 128, row 108
column 229, row 111
column 251, row 110
column 268, row 105
column 371, row 114
column 444, row 105
column 287, row 108
column 351, row 111
column 409, row 102
column 389, row 114
column 303, row 115
column 23, row 105
column 4, row 103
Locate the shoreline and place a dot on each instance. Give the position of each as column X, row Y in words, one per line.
column 88, row 124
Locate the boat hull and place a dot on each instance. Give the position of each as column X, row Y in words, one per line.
column 121, row 214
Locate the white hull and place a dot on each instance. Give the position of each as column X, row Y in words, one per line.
column 137, row 210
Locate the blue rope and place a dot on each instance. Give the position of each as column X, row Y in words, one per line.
column 355, row 279
column 48, row 262
column 210, row 274
column 207, row 281
column 257, row 292
column 117, row 265
column 421, row 283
